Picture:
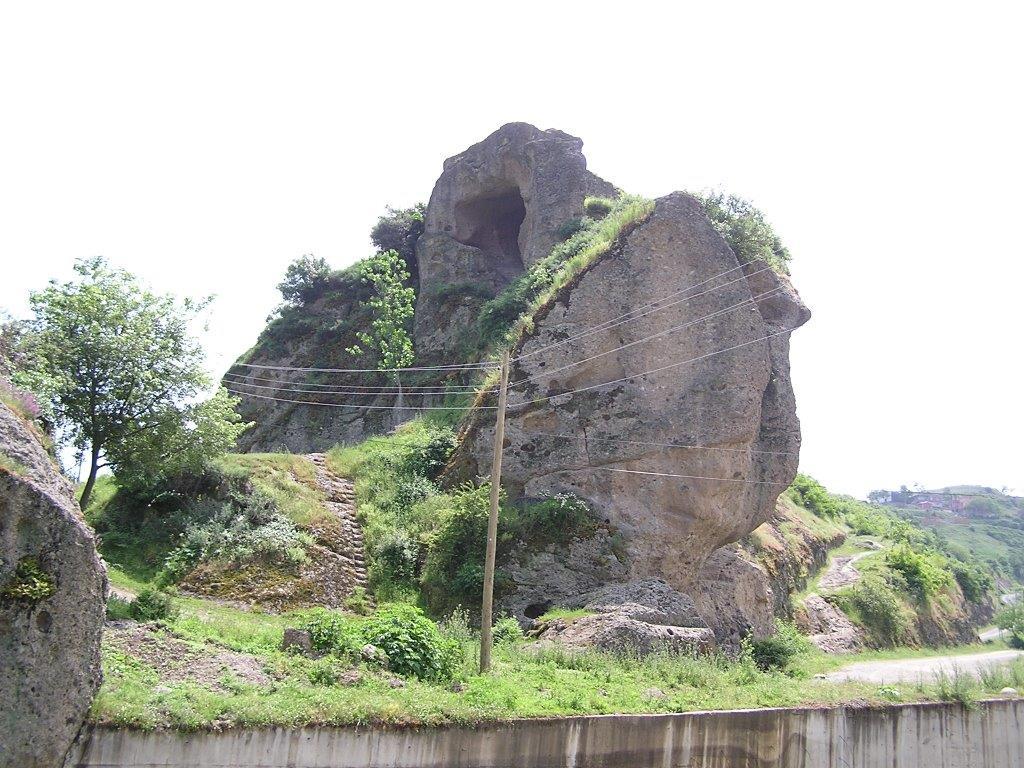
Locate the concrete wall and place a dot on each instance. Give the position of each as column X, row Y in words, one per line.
column 930, row 735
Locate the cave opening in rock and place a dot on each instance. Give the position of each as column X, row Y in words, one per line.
column 536, row 610
column 491, row 222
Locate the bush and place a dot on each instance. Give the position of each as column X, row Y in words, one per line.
column 778, row 650
column 398, row 230
column 413, row 644
column 153, row 605
column 876, row 605
column 321, row 672
column 1012, row 620
column 358, row 602
column 332, row 632
column 745, row 230
column 507, row 631
column 597, row 207
column 305, row 280
column 924, row 572
column 975, row 581
column 810, row 494
column 118, row 609
column 29, row 583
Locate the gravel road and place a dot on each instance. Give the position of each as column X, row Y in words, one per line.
column 928, row 668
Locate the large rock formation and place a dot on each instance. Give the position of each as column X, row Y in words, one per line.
column 495, row 210
column 586, row 419
column 52, row 590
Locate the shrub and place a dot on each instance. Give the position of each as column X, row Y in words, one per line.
column 975, row 581
column 555, row 520
column 745, row 230
column 153, row 605
column 924, row 572
column 321, row 672
column 507, row 631
column 1011, row 619
column 810, row 494
column 332, row 632
column 778, row 650
column 413, row 644
column 597, row 207
column 875, row 603
column 29, row 583
column 398, row 230
column 305, row 280
column 118, row 609
column 358, row 602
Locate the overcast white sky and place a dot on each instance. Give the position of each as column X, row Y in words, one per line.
column 206, row 145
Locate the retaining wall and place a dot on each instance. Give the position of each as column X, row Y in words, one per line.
column 934, row 735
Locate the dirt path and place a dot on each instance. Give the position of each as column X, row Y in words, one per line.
column 341, row 499
column 926, row 668
column 841, row 571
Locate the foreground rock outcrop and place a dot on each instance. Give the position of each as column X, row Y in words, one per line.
column 52, row 601
column 585, row 418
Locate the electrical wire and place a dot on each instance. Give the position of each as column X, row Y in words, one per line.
column 348, row 393
column 626, row 318
column 245, row 379
column 687, row 477
column 766, row 337
column 751, row 300
column 367, row 407
column 458, row 367
column 588, row 438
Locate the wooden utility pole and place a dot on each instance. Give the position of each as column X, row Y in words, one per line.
column 486, row 619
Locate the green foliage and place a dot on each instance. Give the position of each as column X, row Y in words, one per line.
column 358, row 602
column 117, row 362
column 332, row 632
column 398, row 231
column 13, row 466
column 153, row 605
column 812, row 495
column 1011, row 619
column 118, row 609
column 875, row 604
column 507, row 631
column 305, row 280
column 779, row 650
column 924, row 572
column 412, row 642
column 745, row 230
column 975, row 581
column 29, row 583
column 392, row 305
column 597, row 207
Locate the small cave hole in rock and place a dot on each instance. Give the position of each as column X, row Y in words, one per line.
column 536, row 610
column 491, row 222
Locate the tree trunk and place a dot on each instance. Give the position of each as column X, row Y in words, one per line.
column 94, row 465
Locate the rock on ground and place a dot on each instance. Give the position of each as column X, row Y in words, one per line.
column 640, row 617
column 828, row 627
column 52, row 604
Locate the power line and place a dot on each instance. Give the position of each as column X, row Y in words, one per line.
column 587, row 438
column 245, row 379
column 717, row 313
column 625, row 318
column 458, row 367
column 687, row 477
column 347, row 393
column 366, row 407
column 281, row 386
column 653, row 370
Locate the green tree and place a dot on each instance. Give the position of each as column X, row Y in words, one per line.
column 305, row 280
column 392, row 305
column 398, row 230
column 123, row 372
column 746, row 230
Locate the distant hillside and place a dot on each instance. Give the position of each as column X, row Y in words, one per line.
column 975, row 521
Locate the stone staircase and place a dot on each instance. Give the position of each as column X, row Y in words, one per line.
column 341, row 499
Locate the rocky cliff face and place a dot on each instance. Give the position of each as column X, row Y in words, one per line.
column 681, row 442
column 586, row 419
column 52, row 601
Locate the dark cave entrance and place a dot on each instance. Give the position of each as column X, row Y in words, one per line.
column 491, row 222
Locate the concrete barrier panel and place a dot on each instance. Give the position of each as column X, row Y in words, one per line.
column 934, row 735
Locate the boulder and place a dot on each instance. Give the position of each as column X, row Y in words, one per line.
column 583, row 420
column 52, row 603
column 828, row 627
column 495, row 210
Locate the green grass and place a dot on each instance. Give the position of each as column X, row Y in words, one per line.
column 565, row 614
column 524, row 683
column 290, row 480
